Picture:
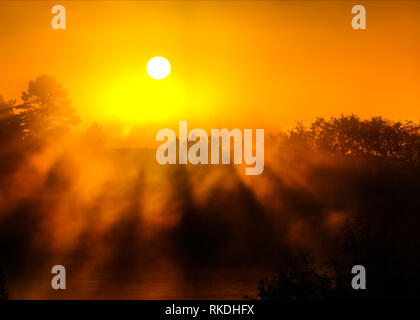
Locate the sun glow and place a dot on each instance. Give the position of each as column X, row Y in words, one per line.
column 158, row 68
column 132, row 97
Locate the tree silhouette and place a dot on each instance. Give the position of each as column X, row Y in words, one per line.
column 10, row 126
column 46, row 107
column 374, row 179
column 6, row 107
column 350, row 135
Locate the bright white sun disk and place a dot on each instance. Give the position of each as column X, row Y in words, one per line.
column 158, row 68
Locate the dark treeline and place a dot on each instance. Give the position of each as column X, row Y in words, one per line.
column 373, row 174
column 45, row 111
column 339, row 193
column 44, row 114
column 349, row 135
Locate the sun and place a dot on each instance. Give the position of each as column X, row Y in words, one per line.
column 158, row 68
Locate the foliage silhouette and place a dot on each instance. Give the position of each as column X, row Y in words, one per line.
column 299, row 280
column 10, row 127
column 366, row 171
column 351, row 136
column 46, row 108
column 372, row 172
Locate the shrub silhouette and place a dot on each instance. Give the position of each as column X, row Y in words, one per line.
column 299, row 280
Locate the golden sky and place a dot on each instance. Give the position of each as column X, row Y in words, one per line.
column 234, row 64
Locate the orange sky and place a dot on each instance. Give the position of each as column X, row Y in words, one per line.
column 234, row 64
